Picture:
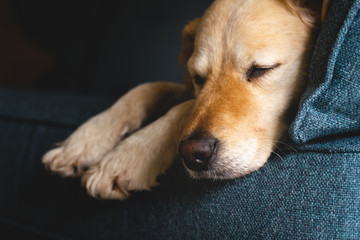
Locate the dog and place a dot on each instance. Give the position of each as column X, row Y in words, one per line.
column 246, row 64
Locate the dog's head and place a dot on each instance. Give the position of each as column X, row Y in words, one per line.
column 247, row 62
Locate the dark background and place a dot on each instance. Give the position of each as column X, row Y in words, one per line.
column 94, row 46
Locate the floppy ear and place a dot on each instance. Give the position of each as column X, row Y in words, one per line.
column 324, row 9
column 188, row 39
column 311, row 12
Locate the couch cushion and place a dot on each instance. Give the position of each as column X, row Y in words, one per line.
column 331, row 103
column 311, row 192
column 53, row 108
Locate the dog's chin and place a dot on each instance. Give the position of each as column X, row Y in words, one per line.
column 229, row 168
column 212, row 174
column 220, row 173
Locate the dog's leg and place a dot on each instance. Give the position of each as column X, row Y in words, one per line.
column 135, row 163
column 91, row 141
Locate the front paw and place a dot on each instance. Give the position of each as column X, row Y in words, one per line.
column 135, row 163
column 84, row 148
column 68, row 161
column 132, row 166
column 56, row 160
column 104, row 184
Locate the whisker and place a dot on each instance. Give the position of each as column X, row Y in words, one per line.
column 279, row 149
column 285, row 144
column 278, row 155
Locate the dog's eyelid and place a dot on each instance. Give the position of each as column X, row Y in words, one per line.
column 260, row 66
column 199, row 79
column 256, row 71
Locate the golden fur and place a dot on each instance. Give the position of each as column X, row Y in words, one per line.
column 246, row 67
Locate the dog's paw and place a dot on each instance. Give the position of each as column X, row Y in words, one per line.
column 133, row 165
column 103, row 184
column 56, row 160
column 121, row 171
column 84, row 148
column 69, row 161
column 136, row 162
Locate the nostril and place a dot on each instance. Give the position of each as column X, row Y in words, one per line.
column 197, row 152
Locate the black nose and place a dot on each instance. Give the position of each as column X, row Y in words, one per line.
column 197, row 151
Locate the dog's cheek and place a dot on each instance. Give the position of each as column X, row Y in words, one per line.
column 244, row 150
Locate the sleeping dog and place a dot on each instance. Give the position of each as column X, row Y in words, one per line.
column 246, row 64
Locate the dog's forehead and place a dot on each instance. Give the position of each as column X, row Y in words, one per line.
column 253, row 29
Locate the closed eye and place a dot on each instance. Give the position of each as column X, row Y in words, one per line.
column 256, row 71
column 199, row 80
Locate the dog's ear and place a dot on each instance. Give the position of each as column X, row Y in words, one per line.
column 188, row 39
column 324, row 9
column 311, row 12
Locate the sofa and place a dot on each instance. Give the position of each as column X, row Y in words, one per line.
column 310, row 189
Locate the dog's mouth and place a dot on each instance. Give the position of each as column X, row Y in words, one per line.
column 223, row 169
column 211, row 173
column 219, row 170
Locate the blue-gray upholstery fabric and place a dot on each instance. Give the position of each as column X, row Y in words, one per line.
column 312, row 191
column 331, row 104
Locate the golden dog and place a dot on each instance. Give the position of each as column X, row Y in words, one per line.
column 246, row 67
